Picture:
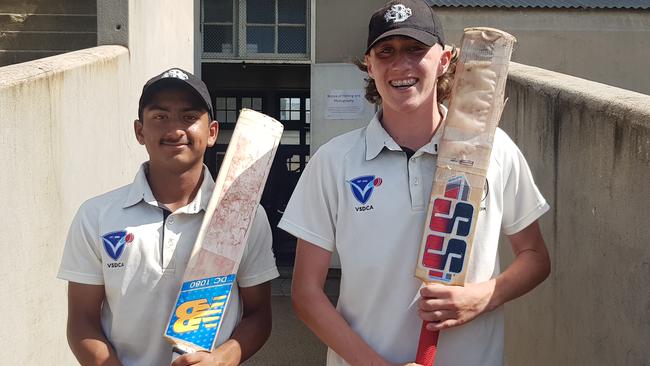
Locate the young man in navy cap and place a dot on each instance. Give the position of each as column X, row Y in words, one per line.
column 127, row 249
column 365, row 195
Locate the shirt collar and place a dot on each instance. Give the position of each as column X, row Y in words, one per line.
column 377, row 138
column 141, row 191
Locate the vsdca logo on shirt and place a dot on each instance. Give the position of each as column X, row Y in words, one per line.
column 114, row 244
column 362, row 188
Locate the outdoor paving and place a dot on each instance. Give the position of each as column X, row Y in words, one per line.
column 291, row 342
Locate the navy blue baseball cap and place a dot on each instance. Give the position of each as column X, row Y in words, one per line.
column 410, row 18
column 175, row 77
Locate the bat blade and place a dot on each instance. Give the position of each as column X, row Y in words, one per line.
column 475, row 108
column 196, row 318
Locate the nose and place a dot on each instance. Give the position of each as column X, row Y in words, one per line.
column 400, row 62
column 175, row 127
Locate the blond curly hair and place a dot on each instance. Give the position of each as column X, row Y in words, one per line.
column 443, row 86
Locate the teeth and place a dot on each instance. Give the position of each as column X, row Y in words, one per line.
column 404, row 82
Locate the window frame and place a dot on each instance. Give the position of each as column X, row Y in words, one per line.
column 239, row 37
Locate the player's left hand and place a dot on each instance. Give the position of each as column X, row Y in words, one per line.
column 202, row 358
column 451, row 306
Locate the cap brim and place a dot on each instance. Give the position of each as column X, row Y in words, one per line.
column 160, row 84
column 418, row 35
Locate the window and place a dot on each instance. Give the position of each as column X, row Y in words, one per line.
column 290, row 109
column 252, row 103
column 227, row 108
column 294, row 115
column 295, row 163
column 256, row 29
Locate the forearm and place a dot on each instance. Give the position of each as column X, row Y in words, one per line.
column 90, row 346
column 249, row 336
column 528, row 270
column 450, row 306
column 314, row 309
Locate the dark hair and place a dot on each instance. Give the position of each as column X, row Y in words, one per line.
column 443, row 86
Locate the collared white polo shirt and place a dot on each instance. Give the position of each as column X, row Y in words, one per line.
column 361, row 196
column 142, row 277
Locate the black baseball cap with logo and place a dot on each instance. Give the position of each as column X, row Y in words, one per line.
column 410, row 18
column 175, row 77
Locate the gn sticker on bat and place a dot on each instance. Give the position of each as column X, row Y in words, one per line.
column 200, row 309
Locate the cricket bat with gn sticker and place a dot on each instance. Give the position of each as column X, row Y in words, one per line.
column 475, row 108
column 196, row 318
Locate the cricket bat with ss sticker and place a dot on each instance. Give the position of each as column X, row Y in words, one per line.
column 196, row 318
column 475, row 108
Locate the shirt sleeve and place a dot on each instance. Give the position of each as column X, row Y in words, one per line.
column 311, row 212
column 523, row 203
column 82, row 261
column 258, row 263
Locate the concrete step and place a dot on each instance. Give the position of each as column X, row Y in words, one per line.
column 48, row 7
column 57, row 23
column 15, row 57
column 47, row 41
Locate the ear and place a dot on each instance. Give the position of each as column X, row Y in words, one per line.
column 213, row 130
column 137, row 128
column 445, row 60
column 366, row 59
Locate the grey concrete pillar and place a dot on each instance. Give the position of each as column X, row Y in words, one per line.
column 113, row 22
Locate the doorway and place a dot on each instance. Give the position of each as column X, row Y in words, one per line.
column 282, row 92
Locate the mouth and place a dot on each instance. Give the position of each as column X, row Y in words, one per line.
column 174, row 143
column 403, row 83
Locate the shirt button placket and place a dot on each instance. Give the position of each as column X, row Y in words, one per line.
column 416, row 192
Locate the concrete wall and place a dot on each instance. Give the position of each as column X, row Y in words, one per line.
column 608, row 46
column 66, row 136
column 588, row 146
column 159, row 34
column 342, row 29
column 327, row 77
column 31, row 29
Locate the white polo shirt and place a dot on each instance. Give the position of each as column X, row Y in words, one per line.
column 142, row 278
column 361, row 196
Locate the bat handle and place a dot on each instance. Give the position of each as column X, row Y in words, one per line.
column 178, row 351
column 427, row 346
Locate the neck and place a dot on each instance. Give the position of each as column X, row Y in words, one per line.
column 174, row 189
column 412, row 129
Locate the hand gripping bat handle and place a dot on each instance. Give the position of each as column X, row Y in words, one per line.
column 427, row 347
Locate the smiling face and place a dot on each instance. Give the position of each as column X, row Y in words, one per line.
column 175, row 129
column 405, row 72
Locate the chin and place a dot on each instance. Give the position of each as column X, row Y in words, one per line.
column 405, row 106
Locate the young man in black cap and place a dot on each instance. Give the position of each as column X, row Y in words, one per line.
column 127, row 249
column 365, row 194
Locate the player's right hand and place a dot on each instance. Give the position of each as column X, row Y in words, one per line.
column 200, row 358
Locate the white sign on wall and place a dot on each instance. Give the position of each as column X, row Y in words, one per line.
column 344, row 104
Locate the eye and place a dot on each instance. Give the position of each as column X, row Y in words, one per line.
column 384, row 51
column 191, row 117
column 417, row 48
column 159, row 116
